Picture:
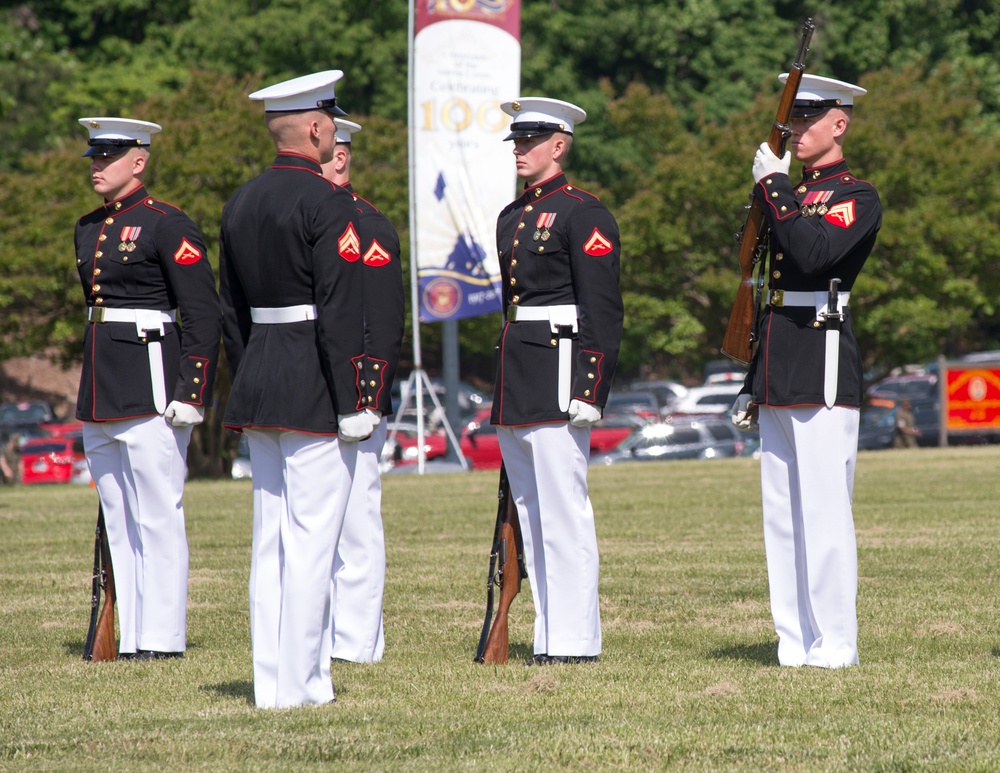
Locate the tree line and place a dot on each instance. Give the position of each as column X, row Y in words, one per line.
column 678, row 96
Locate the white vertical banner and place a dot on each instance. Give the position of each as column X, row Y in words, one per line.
column 466, row 61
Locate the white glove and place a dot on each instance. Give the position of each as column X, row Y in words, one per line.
column 354, row 426
column 183, row 414
column 744, row 415
column 375, row 417
column 583, row 414
column 765, row 163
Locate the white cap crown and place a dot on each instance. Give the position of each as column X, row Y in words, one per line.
column 817, row 94
column 344, row 131
column 307, row 92
column 536, row 116
column 111, row 136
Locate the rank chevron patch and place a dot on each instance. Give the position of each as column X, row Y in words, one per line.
column 376, row 255
column 187, row 253
column 842, row 214
column 349, row 244
column 598, row 244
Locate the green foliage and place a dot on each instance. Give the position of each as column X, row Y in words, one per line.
column 678, row 95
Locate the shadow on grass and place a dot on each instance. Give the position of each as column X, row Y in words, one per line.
column 237, row 689
column 765, row 653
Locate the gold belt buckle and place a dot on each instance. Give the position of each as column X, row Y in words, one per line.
column 512, row 313
column 777, row 298
column 97, row 313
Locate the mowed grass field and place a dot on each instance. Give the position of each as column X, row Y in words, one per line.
column 688, row 680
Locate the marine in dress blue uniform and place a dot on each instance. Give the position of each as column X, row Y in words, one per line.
column 146, row 379
column 358, row 582
column 293, row 326
column 559, row 253
column 823, row 228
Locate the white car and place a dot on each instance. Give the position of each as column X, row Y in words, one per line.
column 707, row 400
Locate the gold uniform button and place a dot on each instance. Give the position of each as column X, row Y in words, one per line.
column 150, row 201
column 817, row 323
column 516, row 298
column 371, row 383
column 554, row 342
column 102, row 237
column 528, row 208
column 593, row 359
column 97, row 288
column 767, row 181
column 590, row 375
column 98, row 254
column 197, row 364
column 779, row 256
column 375, row 367
column 516, row 242
column 194, row 396
column 109, row 221
column 816, row 174
column 784, row 209
column 97, row 272
column 360, row 366
column 586, row 393
column 776, row 274
column 520, row 226
column 538, row 192
column 801, row 189
column 98, row 300
column 569, row 187
column 118, row 205
column 541, row 249
column 196, row 380
column 125, row 259
column 513, row 281
column 513, row 262
column 774, row 195
column 78, row 261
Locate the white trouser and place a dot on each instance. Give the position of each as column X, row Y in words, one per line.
column 300, row 488
column 359, row 565
column 547, row 468
column 138, row 467
column 807, row 479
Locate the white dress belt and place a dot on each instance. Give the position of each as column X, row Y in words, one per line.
column 813, row 298
column 556, row 315
column 280, row 315
column 104, row 314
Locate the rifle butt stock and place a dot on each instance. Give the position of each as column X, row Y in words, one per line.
column 101, row 645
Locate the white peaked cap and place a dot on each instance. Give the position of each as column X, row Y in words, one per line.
column 535, row 116
column 817, row 94
column 344, row 131
column 111, row 136
column 307, row 92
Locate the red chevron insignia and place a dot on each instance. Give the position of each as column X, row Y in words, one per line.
column 349, row 244
column 597, row 245
column 187, row 253
column 376, row 255
column 842, row 214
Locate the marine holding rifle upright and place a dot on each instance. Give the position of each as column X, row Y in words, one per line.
column 559, row 259
column 145, row 380
column 805, row 379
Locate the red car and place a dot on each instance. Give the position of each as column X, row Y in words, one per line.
column 52, row 460
column 481, row 447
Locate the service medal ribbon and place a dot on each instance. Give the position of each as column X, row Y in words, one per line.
column 130, row 233
column 545, row 220
column 817, row 197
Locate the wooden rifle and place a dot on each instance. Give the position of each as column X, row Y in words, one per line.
column 506, row 572
column 101, row 645
column 741, row 336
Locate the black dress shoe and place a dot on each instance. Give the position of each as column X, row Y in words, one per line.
column 546, row 660
column 154, row 655
column 126, row 656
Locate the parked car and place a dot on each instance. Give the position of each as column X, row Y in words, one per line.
column 877, row 428
column 53, row 460
column 707, row 400
column 909, row 387
column 25, row 413
column 667, row 392
column 684, row 438
column 642, row 403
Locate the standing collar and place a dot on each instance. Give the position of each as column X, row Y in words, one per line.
column 287, row 159
column 814, row 173
column 127, row 201
column 544, row 188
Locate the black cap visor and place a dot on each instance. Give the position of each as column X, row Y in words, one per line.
column 810, row 108
column 111, row 147
column 521, row 129
column 330, row 106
